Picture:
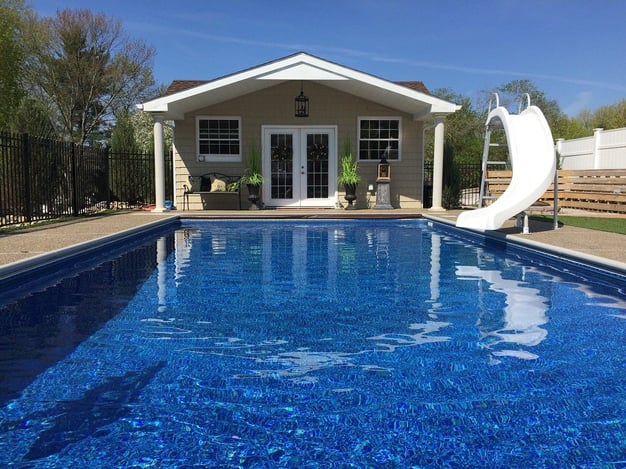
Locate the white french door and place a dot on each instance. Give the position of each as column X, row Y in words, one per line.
column 299, row 166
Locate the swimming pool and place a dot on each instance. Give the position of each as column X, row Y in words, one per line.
column 317, row 344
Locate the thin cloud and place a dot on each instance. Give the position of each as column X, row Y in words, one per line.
column 384, row 59
column 488, row 71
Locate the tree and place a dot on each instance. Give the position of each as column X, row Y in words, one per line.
column 123, row 135
column 511, row 95
column 465, row 128
column 610, row 117
column 33, row 117
column 88, row 70
column 143, row 125
column 451, row 193
column 12, row 53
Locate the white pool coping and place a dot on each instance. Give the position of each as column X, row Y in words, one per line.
column 47, row 258
column 569, row 254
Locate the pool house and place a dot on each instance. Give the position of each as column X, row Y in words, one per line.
column 298, row 113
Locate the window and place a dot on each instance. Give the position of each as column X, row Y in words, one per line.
column 378, row 138
column 219, row 138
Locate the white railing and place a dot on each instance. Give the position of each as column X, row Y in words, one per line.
column 605, row 150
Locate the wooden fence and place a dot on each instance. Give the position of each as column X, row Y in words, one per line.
column 598, row 190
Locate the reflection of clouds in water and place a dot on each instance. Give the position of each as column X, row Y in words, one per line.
column 524, row 312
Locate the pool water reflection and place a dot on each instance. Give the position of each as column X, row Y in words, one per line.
column 318, row 344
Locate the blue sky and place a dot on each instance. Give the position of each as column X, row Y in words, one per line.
column 573, row 50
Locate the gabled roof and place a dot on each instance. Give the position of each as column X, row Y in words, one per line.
column 182, row 85
column 186, row 96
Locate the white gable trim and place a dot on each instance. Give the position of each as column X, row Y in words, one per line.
column 302, row 71
column 300, row 66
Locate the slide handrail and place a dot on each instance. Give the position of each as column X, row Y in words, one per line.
column 521, row 103
column 492, row 98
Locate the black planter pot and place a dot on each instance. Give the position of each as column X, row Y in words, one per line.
column 350, row 196
column 254, row 196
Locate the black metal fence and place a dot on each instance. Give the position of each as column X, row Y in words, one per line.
column 44, row 179
column 469, row 183
column 131, row 179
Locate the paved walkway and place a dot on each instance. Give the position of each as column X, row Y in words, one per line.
column 32, row 245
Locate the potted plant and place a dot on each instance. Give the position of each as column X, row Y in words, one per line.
column 253, row 177
column 349, row 176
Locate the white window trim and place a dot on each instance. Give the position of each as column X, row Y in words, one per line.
column 358, row 130
column 207, row 157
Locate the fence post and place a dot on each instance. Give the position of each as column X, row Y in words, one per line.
column 74, row 180
column 597, row 133
column 107, row 174
column 25, row 155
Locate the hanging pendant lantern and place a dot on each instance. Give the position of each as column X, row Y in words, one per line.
column 302, row 104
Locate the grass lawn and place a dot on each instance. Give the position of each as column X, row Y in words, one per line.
column 612, row 225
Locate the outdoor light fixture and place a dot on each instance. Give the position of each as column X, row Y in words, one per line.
column 383, row 178
column 383, row 170
column 302, row 104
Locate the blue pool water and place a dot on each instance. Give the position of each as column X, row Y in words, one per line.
column 315, row 344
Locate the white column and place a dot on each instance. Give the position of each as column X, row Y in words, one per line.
column 438, row 164
column 597, row 133
column 159, row 165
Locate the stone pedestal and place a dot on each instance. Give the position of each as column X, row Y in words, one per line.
column 383, row 196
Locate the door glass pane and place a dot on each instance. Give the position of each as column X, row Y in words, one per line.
column 317, row 166
column 282, row 166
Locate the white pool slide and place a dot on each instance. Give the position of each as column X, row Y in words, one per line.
column 531, row 151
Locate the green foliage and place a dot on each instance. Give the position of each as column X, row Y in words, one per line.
column 88, row 70
column 464, row 129
column 569, row 129
column 451, row 192
column 143, row 126
column 123, row 135
column 610, row 117
column 560, row 125
column 33, row 117
column 511, row 93
column 12, row 53
column 253, row 175
column 233, row 186
column 349, row 166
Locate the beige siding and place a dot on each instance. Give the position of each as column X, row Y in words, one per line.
column 275, row 106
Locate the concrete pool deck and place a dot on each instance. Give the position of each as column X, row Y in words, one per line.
column 22, row 249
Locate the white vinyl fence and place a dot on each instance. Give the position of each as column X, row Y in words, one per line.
column 605, row 150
